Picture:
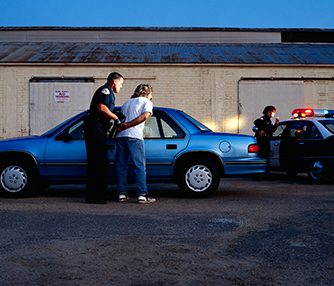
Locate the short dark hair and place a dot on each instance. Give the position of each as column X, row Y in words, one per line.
column 114, row 75
column 142, row 90
column 269, row 108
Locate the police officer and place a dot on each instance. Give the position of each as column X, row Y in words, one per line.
column 265, row 130
column 96, row 125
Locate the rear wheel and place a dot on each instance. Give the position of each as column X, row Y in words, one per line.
column 17, row 178
column 320, row 171
column 198, row 178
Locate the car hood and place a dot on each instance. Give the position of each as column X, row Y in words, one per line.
column 18, row 139
column 31, row 144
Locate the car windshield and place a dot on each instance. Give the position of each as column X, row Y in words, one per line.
column 329, row 124
column 199, row 125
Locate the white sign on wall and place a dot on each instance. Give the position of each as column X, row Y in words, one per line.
column 62, row 95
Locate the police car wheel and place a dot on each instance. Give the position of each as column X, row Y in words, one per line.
column 17, row 178
column 199, row 178
column 319, row 171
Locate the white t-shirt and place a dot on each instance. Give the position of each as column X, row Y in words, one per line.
column 133, row 108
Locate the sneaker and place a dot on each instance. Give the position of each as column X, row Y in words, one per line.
column 146, row 199
column 123, row 198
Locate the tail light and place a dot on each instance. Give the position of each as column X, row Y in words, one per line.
column 253, row 148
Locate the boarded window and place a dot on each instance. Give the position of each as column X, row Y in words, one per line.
column 53, row 100
column 254, row 96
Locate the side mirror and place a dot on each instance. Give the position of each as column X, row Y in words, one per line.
column 255, row 129
column 64, row 136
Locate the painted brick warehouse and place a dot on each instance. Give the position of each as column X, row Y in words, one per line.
column 222, row 77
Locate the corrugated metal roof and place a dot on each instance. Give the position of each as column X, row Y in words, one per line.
column 61, row 52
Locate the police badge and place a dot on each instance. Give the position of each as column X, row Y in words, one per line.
column 106, row 91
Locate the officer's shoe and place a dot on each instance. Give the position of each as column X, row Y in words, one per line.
column 123, row 198
column 146, row 199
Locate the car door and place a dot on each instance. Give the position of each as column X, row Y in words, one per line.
column 164, row 139
column 278, row 135
column 65, row 153
column 66, row 158
column 293, row 144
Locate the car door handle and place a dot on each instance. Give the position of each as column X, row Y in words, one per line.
column 171, row 146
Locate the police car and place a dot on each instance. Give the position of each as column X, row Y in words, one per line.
column 305, row 144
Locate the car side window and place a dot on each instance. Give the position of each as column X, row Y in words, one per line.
column 314, row 133
column 151, row 128
column 77, row 130
column 298, row 129
column 279, row 130
column 329, row 124
column 161, row 126
column 74, row 133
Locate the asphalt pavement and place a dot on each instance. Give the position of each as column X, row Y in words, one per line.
column 277, row 232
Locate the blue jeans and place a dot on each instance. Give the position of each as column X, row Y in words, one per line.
column 126, row 148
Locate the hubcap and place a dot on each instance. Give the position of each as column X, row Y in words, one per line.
column 13, row 179
column 198, row 178
column 317, row 169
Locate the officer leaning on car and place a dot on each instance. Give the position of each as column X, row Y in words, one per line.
column 96, row 126
column 264, row 132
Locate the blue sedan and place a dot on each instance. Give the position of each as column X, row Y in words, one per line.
column 179, row 149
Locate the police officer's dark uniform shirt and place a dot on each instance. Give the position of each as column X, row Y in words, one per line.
column 264, row 124
column 105, row 96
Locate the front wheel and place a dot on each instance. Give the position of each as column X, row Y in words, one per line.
column 319, row 171
column 17, row 178
column 198, row 178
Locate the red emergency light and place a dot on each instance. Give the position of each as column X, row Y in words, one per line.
column 309, row 112
column 302, row 112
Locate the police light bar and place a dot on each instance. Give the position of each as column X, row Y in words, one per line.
column 309, row 112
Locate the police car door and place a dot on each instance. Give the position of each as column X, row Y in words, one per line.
column 292, row 145
column 278, row 135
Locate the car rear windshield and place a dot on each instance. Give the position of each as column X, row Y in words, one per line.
column 199, row 125
column 329, row 124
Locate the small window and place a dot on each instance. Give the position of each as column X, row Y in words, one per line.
column 151, row 128
column 314, row 134
column 279, row 130
column 329, row 124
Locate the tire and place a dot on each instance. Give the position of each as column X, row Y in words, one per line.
column 198, row 178
column 17, row 178
column 319, row 171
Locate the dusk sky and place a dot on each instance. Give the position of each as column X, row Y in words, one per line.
column 169, row 13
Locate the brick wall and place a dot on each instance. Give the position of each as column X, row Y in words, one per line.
column 207, row 92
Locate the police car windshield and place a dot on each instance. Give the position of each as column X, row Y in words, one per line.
column 329, row 124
